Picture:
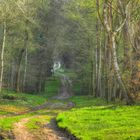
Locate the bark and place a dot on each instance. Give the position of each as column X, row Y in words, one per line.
column 2, row 56
column 18, row 88
column 91, row 85
column 96, row 72
column 98, row 62
column 12, row 75
column 99, row 89
column 112, row 38
column 117, row 69
column 25, row 69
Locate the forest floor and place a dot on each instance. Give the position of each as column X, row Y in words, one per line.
column 91, row 119
column 31, row 117
column 20, row 120
column 41, row 117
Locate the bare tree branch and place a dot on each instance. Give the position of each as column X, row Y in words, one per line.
column 24, row 14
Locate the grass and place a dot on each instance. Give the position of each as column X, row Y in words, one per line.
column 92, row 119
column 40, row 118
column 6, row 123
column 11, row 109
column 86, row 101
column 102, row 122
column 37, row 122
column 52, row 86
column 21, row 99
column 13, row 103
column 15, row 106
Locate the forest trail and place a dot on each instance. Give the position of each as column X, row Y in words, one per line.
column 20, row 131
column 48, row 132
column 65, row 89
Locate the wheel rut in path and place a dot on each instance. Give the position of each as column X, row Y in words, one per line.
column 49, row 131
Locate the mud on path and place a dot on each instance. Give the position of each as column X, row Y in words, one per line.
column 51, row 132
column 48, row 131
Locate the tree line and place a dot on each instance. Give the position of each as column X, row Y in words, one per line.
column 98, row 40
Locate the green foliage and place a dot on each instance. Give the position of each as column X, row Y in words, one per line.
column 81, row 9
column 102, row 123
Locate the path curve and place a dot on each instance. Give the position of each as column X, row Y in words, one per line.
column 47, row 132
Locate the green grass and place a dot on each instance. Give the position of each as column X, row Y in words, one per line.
column 20, row 103
column 7, row 123
column 52, row 86
column 86, row 101
column 92, row 119
column 102, row 122
column 40, row 118
column 37, row 122
column 21, row 99
column 13, row 103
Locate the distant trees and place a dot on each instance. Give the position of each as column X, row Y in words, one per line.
column 99, row 40
column 101, row 32
column 24, row 39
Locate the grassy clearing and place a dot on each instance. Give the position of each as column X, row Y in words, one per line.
column 13, row 103
column 92, row 119
column 86, row 101
column 102, row 122
column 20, row 99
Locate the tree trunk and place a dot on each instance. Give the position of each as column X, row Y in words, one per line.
column 12, row 85
column 20, row 87
column 18, row 71
column 25, row 68
column 2, row 55
column 117, row 70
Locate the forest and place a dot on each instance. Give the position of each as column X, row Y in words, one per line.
column 69, row 69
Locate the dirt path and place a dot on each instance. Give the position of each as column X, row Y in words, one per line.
column 65, row 89
column 21, row 132
column 47, row 132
